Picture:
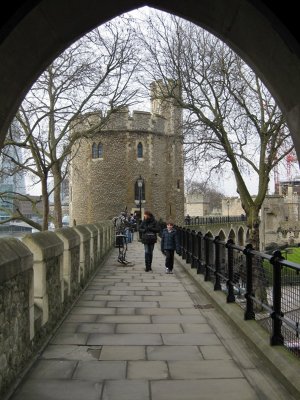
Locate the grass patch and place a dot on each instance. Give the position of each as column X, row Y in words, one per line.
column 292, row 254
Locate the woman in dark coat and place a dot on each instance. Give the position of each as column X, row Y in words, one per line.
column 149, row 229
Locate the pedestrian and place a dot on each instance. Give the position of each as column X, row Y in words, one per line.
column 169, row 243
column 148, row 230
column 132, row 221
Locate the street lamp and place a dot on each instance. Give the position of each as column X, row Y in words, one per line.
column 140, row 183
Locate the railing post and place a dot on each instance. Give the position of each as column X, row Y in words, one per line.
column 184, row 243
column 188, row 246
column 230, row 295
column 249, row 312
column 276, row 338
column 193, row 249
column 217, row 285
column 200, row 265
column 207, row 258
column 180, row 235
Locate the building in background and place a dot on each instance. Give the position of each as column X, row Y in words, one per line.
column 280, row 216
column 196, row 205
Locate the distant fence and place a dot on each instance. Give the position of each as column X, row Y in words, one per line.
column 267, row 287
column 213, row 220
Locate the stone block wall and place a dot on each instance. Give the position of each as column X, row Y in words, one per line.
column 16, row 309
column 71, row 259
column 39, row 278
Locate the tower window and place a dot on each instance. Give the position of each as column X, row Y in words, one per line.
column 97, row 150
column 140, row 150
column 94, row 150
column 178, row 183
column 100, row 150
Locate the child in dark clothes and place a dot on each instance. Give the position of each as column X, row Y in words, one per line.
column 169, row 243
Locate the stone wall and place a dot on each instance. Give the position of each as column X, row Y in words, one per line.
column 39, row 278
column 16, row 309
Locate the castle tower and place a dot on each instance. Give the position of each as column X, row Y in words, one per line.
column 106, row 168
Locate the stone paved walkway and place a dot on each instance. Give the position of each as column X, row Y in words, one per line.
column 142, row 336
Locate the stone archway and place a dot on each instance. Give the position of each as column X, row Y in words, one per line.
column 232, row 235
column 37, row 31
column 240, row 236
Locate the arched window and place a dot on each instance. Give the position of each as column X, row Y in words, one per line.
column 140, row 150
column 100, row 150
column 94, row 151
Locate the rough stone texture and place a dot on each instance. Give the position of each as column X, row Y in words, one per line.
column 54, row 289
column 110, row 180
column 15, row 344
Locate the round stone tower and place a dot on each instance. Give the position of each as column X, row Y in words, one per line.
column 107, row 170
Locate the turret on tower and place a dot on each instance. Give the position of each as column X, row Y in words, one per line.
column 163, row 102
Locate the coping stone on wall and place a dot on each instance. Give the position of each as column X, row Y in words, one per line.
column 69, row 236
column 84, row 233
column 92, row 229
column 15, row 257
column 44, row 245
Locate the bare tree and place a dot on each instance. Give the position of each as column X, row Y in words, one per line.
column 230, row 117
column 92, row 75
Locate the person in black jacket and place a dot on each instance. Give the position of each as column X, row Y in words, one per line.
column 169, row 243
column 149, row 229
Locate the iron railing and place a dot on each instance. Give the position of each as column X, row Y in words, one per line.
column 213, row 220
column 267, row 287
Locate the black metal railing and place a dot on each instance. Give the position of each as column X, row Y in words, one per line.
column 213, row 220
column 267, row 287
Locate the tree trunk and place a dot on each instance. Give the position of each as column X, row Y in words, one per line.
column 57, row 196
column 45, row 205
column 258, row 272
column 253, row 221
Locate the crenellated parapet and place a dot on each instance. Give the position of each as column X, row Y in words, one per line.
column 123, row 120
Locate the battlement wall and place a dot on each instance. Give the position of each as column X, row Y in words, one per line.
column 123, row 120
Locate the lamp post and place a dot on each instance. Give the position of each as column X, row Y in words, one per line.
column 140, row 182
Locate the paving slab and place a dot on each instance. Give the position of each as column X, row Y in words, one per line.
column 148, row 328
column 204, row 369
column 58, row 390
column 124, row 339
column 126, row 390
column 147, row 370
column 53, row 369
column 72, row 352
column 205, row 389
column 96, row 371
column 123, row 353
column 173, row 353
column 190, row 339
column 124, row 319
